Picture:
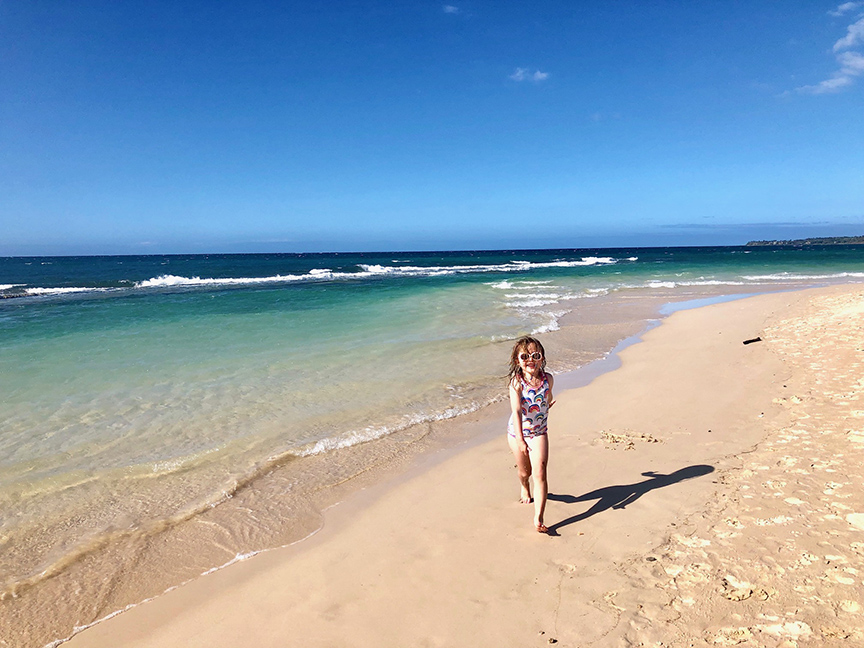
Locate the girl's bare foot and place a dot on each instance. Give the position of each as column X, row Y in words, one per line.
column 525, row 497
column 541, row 528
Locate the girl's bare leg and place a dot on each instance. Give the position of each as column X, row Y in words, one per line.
column 523, row 465
column 539, row 456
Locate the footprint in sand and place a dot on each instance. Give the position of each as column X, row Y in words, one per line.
column 831, row 487
column 807, row 559
column 728, row 636
column 625, row 439
column 793, row 630
column 736, row 590
column 855, row 436
column 839, row 577
column 851, row 607
column 780, row 519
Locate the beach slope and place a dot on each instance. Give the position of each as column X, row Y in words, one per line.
column 705, row 493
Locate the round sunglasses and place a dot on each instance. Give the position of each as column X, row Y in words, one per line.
column 534, row 356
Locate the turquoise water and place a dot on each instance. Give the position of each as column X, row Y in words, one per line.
column 137, row 389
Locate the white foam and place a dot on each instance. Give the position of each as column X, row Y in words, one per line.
column 506, row 284
column 326, row 274
column 60, row 291
column 791, row 276
column 379, row 269
column 585, row 261
column 534, row 296
column 710, row 282
column 173, row 280
column 238, row 558
column 661, row 284
column 356, row 437
column 551, row 325
column 675, row 284
column 747, row 280
column 513, row 266
column 535, row 299
column 417, row 271
column 596, row 261
column 426, row 271
column 531, row 303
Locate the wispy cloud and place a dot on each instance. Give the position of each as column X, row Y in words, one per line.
column 845, row 8
column 854, row 36
column 525, row 74
column 451, row 9
column 851, row 62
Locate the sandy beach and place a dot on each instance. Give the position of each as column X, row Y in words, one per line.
column 707, row 492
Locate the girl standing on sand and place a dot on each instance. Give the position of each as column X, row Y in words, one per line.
column 530, row 400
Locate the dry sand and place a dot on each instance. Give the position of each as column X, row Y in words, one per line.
column 706, row 493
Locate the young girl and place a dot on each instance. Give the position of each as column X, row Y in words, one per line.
column 530, row 400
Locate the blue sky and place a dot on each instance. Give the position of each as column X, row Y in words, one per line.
column 285, row 126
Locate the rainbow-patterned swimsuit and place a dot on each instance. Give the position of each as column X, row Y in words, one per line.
column 535, row 408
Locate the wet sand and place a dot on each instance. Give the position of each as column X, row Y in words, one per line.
column 705, row 493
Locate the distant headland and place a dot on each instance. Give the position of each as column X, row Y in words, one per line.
column 828, row 240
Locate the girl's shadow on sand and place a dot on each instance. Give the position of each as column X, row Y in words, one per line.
column 618, row 497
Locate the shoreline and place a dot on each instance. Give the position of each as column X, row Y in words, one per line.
column 338, row 516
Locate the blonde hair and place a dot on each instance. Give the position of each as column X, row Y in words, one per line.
column 521, row 346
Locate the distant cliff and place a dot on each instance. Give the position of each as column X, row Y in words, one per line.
column 828, row 240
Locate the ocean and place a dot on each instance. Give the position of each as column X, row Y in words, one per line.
column 163, row 416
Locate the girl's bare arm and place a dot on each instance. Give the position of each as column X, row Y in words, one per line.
column 516, row 407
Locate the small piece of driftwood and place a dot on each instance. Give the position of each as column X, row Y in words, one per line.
column 756, row 339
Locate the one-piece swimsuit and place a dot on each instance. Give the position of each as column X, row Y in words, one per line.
column 535, row 408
